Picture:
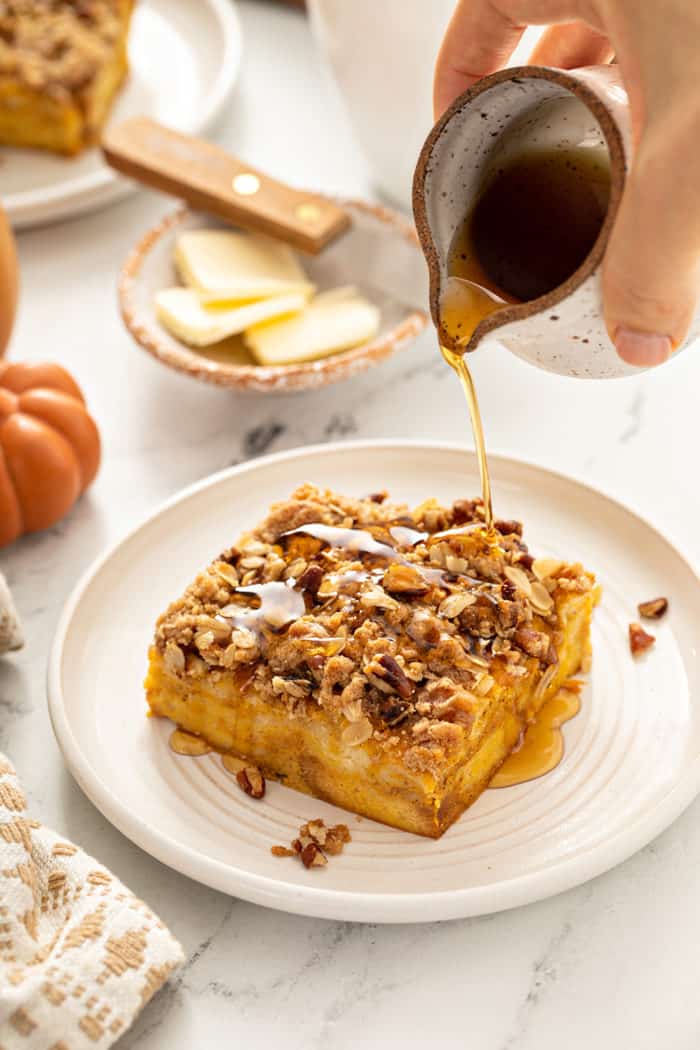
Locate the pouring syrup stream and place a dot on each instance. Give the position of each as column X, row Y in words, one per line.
column 457, row 361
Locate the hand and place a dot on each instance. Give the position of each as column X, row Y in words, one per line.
column 651, row 272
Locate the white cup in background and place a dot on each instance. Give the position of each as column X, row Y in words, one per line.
column 382, row 55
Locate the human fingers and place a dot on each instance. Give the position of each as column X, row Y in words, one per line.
column 651, row 271
column 571, row 45
column 483, row 34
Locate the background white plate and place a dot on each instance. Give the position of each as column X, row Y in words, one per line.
column 185, row 57
column 631, row 763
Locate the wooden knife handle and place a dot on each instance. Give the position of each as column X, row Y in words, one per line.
column 212, row 180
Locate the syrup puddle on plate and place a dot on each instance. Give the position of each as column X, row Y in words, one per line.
column 183, row 743
column 192, row 746
column 542, row 746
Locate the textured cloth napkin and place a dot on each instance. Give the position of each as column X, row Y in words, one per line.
column 79, row 954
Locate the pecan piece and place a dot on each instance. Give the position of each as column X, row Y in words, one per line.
column 311, row 579
column 393, row 712
column 640, row 641
column 508, row 528
column 534, row 643
column 424, row 629
column 316, row 830
column 405, row 580
column 552, row 656
column 337, row 837
column 282, row 851
column 463, row 511
column 390, row 672
column 312, row 856
column 508, row 591
column 653, row 609
column 251, row 780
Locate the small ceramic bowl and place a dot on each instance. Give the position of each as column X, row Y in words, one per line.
column 380, row 255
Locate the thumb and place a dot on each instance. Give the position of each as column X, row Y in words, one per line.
column 651, row 271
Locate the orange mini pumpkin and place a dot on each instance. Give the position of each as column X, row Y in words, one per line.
column 49, row 447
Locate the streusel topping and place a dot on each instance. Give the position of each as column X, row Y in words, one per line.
column 58, row 45
column 402, row 623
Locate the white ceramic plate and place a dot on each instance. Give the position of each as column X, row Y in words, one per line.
column 632, row 755
column 184, row 58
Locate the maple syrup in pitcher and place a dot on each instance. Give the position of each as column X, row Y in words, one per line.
column 537, row 216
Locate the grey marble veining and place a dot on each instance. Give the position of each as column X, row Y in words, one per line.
column 611, row 964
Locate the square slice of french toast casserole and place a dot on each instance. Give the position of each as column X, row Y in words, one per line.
column 380, row 658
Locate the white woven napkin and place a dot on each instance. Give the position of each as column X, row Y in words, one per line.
column 79, row 954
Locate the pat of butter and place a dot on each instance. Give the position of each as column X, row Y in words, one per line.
column 182, row 313
column 225, row 266
column 332, row 322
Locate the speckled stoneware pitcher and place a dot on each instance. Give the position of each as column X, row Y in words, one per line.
column 562, row 331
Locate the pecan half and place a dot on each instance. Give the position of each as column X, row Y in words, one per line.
column 654, row 609
column 640, row 641
column 251, row 780
column 390, row 672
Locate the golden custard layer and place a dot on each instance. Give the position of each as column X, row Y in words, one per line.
column 383, row 659
column 61, row 65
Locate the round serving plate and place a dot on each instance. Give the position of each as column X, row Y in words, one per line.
column 632, row 759
column 184, row 60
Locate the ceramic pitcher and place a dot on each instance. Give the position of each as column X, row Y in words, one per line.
column 529, row 107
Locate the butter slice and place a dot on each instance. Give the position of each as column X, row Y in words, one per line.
column 226, row 266
column 182, row 313
column 332, row 322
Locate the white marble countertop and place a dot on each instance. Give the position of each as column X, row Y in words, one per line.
column 611, row 964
